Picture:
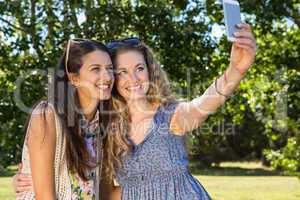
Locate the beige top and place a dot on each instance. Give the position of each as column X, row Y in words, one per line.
column 62, row 180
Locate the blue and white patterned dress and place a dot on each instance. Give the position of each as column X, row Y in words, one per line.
column 157, row 168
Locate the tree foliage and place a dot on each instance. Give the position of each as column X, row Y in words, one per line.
column 261, row 117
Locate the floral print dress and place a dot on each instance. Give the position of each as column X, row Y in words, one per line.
column 85, row 190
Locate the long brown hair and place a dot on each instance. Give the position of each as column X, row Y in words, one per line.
column 159, row 93
column 63, row 96
column 77, row 154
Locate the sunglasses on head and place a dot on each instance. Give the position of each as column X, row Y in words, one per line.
column 127, row 41
column 76, row 41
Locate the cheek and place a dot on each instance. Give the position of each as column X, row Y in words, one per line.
column 145, row 76
column 88, row 77
column 119, row 84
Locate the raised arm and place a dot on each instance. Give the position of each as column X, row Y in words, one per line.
column 41, row 145
column 190, row 115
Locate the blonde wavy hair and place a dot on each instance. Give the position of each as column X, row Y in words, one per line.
column 159, row 93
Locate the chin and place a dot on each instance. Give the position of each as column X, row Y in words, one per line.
column 104, row 97
column 101, row 97
column 136, row 97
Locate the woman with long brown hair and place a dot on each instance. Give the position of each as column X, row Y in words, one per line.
column 63, row 148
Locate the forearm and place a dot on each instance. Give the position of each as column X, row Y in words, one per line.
column 216, row 93
column 229, row 81
column 190, row 115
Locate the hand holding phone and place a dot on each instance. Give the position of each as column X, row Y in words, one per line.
column 232, row 17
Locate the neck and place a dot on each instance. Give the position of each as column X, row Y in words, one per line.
column 88, row 106
column 139, row 108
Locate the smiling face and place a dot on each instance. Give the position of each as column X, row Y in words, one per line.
column 132, row 76
column 95, row 78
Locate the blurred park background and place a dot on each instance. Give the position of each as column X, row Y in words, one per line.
column 248, row 150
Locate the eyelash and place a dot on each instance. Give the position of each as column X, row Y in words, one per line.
column 121, row 72
column 111, row 69
column 140, row 68
column 96, row 68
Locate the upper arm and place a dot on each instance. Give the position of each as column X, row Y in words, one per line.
column 187, row 117
column 41, row 142
column 109, row 191
column 115, row 193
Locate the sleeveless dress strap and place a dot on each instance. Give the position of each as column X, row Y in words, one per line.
column 40, row 108
column 165, row 114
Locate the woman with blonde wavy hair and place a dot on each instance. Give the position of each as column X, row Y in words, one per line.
column 155, row 124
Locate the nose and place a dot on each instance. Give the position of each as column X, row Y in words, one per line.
column 106, row 76
column 133, row 78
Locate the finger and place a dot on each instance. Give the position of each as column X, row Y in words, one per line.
column 246, row 47
column 23, row 176
column 23, row 192
column 244, row 26
column 19, row 194
column 244, row 34
column 23, row 189
column 245, row 41
column 24, row 183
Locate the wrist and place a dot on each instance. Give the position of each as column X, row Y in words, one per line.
column 241, row 71
column 232, row 75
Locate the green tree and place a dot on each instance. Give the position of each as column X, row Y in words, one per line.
column 33, row 33
column 271, row 88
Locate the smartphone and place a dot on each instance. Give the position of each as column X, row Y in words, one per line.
column 232, row 15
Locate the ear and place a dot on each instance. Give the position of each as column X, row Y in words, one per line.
column 74, row 79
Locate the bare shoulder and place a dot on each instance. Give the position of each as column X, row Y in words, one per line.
column 176, row 120
column 41, row 126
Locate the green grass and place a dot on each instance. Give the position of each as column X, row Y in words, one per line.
column 251, row 187
column 228, row 181
column 6, row 192
column 247, row 181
